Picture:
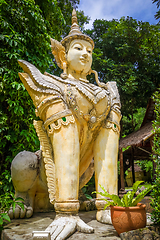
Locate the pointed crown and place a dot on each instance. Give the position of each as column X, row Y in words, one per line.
column 75, row 33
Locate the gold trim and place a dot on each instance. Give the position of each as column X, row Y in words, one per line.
column 56, row 116
column 113, row 125
column 48, row 158
column 47, row 102
column 56, row 125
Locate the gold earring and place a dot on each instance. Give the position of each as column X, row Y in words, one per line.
column 64, row 74
column 100, row 84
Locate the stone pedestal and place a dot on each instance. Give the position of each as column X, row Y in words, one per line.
column 21, row 229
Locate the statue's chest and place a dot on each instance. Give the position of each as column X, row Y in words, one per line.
column 91, row 104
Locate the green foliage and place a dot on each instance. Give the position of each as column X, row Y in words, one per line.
column 133, row 120
column 157, row 15
column 128, row 199
column 6, row 182
column 156, row 157
column 26, row 28
column 8, row 200
column 84, row 190
column 146, row 165
column 3, row 217
column 89, row 187
column 127, row 51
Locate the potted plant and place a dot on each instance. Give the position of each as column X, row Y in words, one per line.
column 127, row 213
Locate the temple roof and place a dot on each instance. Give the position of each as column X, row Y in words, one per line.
column 137, row 138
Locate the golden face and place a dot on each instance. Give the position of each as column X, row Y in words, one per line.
column 79, row 56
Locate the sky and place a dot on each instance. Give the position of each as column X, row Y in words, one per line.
column 142, row 10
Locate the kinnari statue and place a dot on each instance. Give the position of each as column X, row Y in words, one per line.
column 79, row 122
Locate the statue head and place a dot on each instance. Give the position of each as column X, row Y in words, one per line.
column 74, row 53
column 75, row 33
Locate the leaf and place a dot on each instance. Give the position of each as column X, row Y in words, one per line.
column 6, row 217
column 20, row 204
column 88, row 196
column 130, row 197
column 116, row 200
column 125, row 200
column 108, row 204
column 19, row 199
column 135, row 186
column 13, row 206
column 141, row 195
column 1, row 221
column 113, row 197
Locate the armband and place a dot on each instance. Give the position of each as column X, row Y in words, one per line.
column 57, row 120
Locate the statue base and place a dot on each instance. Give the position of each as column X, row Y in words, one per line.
column 22, row 229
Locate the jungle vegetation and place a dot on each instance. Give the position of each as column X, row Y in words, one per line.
column 126, row 51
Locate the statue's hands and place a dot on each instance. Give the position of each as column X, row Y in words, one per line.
column 63, row 226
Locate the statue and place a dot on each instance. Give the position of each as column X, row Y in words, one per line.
column 79, row 122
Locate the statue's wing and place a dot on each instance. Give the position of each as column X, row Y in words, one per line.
column 37, row 81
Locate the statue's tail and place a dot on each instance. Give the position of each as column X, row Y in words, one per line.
column 48, row 158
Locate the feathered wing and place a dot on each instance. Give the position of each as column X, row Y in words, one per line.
column 37, row 80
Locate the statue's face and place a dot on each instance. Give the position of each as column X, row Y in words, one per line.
column 79, row 56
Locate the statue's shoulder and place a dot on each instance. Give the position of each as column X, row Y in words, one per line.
column 112, row 86
column 115, row 98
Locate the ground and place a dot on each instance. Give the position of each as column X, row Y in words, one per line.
column 21, row 229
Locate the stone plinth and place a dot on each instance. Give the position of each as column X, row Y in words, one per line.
column 21, row 229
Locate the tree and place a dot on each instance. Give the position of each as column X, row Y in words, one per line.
column 127, row 51
column 26, row 28
column 157, row 15
column 156, row 157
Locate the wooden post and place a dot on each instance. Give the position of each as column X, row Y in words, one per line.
column 122, row 189
column 154, row 164
column 121, row 168
column 132, row 163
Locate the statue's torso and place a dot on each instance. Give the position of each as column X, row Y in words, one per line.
column 89, row 104
column 57, row 100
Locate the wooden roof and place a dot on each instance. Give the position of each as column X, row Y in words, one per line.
column 150, row 114
column 137, row 138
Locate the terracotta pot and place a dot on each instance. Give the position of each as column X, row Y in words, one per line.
column 128, row 218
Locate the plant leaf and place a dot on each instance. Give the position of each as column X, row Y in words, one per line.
column 125, row 200
column 116, row 200
column 135, row 186
column 113, row 197
column 19, row 199
column 88, row 196
column 13, row 206
column 20, row 204
column 101, row 193
column 141, row 195
column 1, row 221
column 130, row 198
column 6, row 217
column 108, row 204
